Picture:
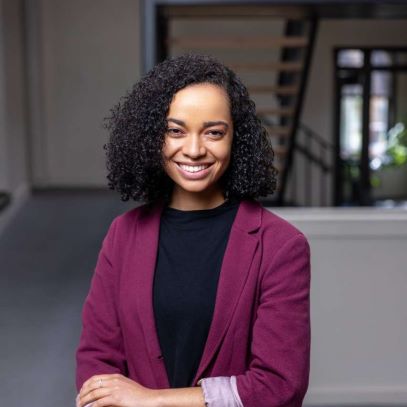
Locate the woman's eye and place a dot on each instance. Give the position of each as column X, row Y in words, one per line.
column 216, row 133
column 174, row 131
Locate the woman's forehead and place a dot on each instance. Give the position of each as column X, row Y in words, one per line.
column 202, row 100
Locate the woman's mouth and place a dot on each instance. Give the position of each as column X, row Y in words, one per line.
column 194, row 171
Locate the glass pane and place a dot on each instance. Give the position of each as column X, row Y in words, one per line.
column 352, row 58
column 381, row 93
column 381, row 58
column 389, row 142
column 381, row 83
column 352, row 90
column 351, row 121
column 378, row 126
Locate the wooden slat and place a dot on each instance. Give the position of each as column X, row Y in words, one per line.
column 284, row 112
column 279, row 167
column 267, row 66
column 236, row 11
column 280, row 150
column 278, row 90
column 238, row 42
column 280, row 131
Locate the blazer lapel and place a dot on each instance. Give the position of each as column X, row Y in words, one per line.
column 236, row 263
column 145, row 255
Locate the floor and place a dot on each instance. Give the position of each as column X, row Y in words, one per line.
column 47, row 255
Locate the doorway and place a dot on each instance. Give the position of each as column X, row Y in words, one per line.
column 370, row 126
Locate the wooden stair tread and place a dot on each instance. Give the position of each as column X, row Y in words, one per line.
column 279, row 90
column 267, row 66
column 239, row 42
column 280, row 150
column 292, row 12
column 279, row 167
column 284, row 131
column 286, row 111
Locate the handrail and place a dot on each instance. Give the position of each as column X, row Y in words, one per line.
column 304, row 150
column 314, row 144
column 312, row 157
column 315, row 135
column 293, row 28
column 316, row 151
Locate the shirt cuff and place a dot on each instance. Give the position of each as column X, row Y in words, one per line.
column 220, row 391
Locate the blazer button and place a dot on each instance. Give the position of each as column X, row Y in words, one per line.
column 160, row 357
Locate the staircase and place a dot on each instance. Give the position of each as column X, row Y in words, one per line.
column 269, row 47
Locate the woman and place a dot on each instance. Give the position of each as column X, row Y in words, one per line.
column 200, row 296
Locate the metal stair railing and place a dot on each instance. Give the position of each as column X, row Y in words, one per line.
column 290, row 55
column 316, row 153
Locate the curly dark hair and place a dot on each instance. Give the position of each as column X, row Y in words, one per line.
column 137, row 126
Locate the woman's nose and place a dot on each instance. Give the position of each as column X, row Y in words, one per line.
column 194, row 146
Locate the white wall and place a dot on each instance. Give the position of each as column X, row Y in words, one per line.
column 89, row 57
column 13, row 142
column 3, row 127
column 358, row 304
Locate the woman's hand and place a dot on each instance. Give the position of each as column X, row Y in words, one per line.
column 115, row 390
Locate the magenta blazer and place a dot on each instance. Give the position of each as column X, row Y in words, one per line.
column 260, row 330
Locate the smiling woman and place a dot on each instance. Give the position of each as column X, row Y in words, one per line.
column 200, row 296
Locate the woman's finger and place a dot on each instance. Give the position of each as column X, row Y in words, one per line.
column 104, row 402
column 94, row 395
column 96, row 382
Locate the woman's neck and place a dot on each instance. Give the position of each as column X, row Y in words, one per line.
column 189, row 201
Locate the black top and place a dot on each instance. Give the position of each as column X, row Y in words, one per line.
column 189, row 259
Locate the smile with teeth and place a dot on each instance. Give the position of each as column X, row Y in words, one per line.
column 193, row 168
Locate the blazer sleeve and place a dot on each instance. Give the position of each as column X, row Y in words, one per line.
column 278, row 373
column 100, row 349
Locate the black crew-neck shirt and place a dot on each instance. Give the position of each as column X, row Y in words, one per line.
column 190, row 254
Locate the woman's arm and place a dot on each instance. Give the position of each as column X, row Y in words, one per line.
column 100, row 349
column 119, row 391
column 115, row 390
column 279, row 367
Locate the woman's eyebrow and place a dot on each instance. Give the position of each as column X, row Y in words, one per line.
column 180, row 122
column 210, row 124
column 205, row 124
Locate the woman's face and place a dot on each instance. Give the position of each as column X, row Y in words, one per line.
column 198, row 141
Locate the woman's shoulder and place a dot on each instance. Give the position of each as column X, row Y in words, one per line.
column 126, row 223
column 131, row 217
column 277, row 228
column 266, row 218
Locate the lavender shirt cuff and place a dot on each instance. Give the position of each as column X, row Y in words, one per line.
column 221, row 391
